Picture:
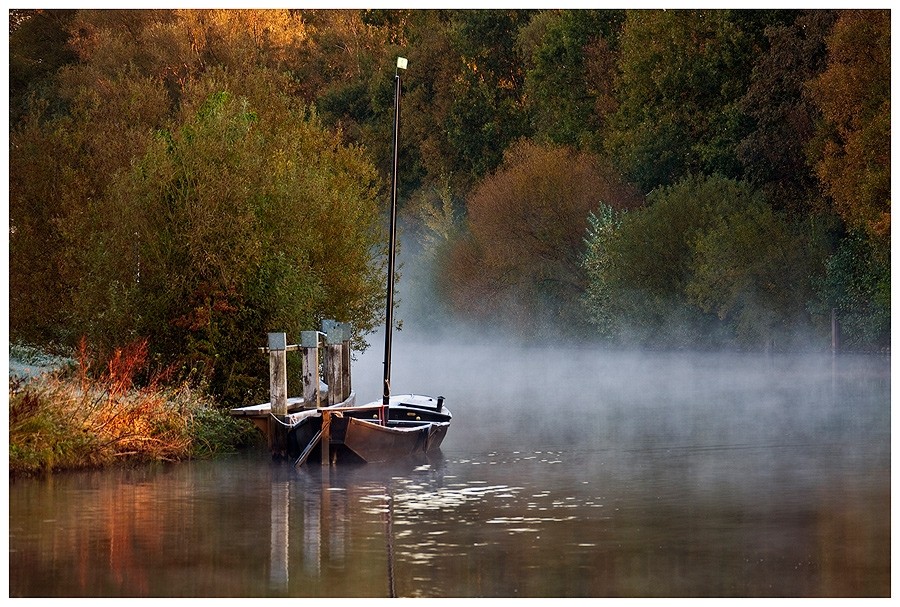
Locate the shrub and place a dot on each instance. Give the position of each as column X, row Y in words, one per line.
column 706, row 262
column 98, row 417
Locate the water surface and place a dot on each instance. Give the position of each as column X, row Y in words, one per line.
column 567, row 472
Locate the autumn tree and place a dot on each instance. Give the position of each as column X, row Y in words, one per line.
column 526, row 221
column 90, row 119
column 851, row 155
column 38, row 47
column 854, row 95
column 168, row 183
column 792, row 103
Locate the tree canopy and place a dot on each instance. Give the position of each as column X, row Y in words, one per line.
column 200, row 176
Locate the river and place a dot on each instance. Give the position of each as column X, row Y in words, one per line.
column 567, row 472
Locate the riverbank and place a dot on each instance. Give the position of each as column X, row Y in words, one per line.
column 68, row 419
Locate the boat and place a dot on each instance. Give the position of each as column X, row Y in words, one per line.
column 394, row 428
column 416, row 427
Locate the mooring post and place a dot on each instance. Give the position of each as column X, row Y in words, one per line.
column 334, row 360
column 278, row 373
column 309, row 344
column 278, row 393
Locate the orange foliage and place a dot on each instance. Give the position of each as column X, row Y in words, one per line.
column 854, row 95
column 527, row 223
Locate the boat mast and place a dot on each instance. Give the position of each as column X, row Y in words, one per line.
column 389, row 312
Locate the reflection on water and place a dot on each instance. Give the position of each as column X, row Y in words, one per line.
column 694, row 481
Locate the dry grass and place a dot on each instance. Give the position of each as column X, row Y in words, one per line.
column 90, row 419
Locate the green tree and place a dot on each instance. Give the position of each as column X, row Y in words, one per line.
column 427, row 101
column 350, row 77
column 682, row 74
column 568, row 83
column 238, row 222
column 603, row 226
column 485, row 115
column 755, row 271
column 640, row 264
column 857, row 286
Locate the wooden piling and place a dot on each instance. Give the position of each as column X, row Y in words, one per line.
column 278, row 373
column 333, row 358
column 344, row 338
column 272, row 418
column 309, row 342
column 278, row 393
column 334, row 362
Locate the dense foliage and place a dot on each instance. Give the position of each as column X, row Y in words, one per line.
column 198, row 208
column 706, row 261
column 198, row 177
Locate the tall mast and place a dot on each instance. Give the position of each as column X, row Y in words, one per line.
column 389, row 312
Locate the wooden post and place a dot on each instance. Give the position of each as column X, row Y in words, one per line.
column 333, row 363
column 278, row 373
column 341, row 335
column 278, row 393
column 309, row 342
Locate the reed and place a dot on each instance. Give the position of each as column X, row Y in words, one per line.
column 99, row 416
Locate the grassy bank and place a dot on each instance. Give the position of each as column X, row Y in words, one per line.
column 72, row 418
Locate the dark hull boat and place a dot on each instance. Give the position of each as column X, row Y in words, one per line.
column 416, row 426
column 411, row 429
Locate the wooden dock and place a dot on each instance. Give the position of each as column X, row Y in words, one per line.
column 325, row 382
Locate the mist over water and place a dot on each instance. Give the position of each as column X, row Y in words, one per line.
column 569, row 470
column 590, row 398
column 717, row 474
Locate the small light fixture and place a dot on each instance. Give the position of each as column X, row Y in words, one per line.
column 401, row 63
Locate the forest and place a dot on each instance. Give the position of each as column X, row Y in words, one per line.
column 675, row 179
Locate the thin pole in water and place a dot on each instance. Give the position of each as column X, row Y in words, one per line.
column 389, row 312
